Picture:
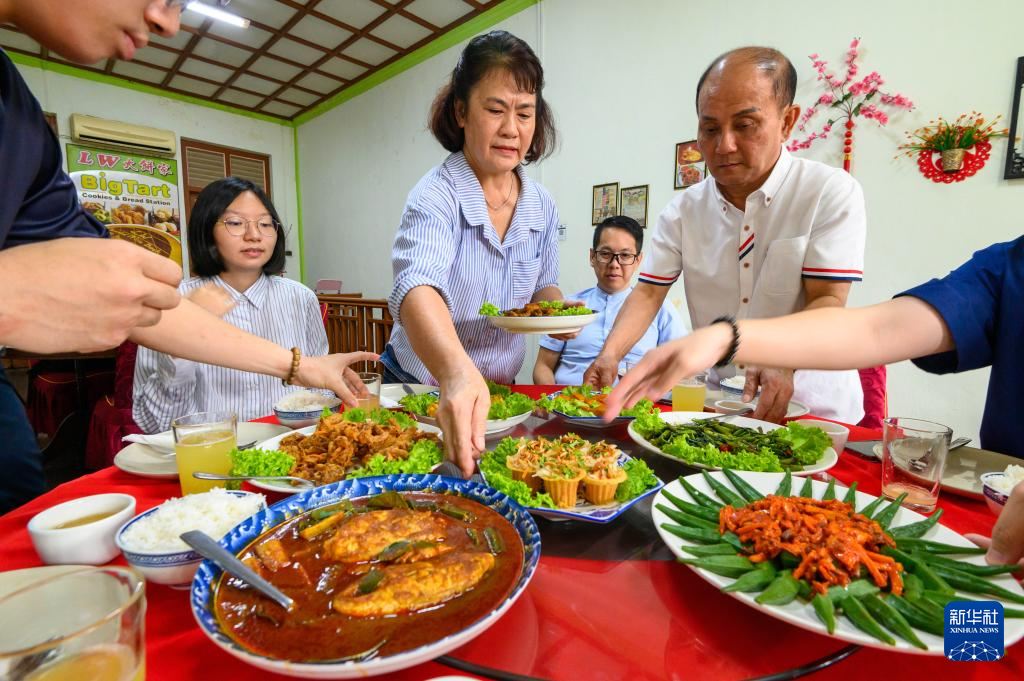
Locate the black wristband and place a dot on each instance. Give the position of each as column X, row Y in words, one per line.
column 734, row 345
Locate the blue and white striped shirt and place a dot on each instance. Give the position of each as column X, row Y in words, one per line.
column 275, row 308
column 446, row 241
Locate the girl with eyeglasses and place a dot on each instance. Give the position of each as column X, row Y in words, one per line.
column 236, row 245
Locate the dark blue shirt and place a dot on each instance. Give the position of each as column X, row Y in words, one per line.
column 982, row 302
column 38, row 201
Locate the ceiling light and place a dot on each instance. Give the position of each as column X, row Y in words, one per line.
column 219, row 14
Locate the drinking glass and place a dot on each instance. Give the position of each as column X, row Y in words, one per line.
column 689, row 393
column 203, row 442
column 371, row 382
column 913, row 458
column 87, row 624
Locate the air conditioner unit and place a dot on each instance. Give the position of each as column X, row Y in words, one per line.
column 101, row 132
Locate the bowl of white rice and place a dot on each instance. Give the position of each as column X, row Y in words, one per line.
column 301, row 408
column 998, row 485
column 151, row 541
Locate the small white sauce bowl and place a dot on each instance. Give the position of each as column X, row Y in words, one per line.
column 89, row 544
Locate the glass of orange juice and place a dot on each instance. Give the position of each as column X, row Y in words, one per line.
column 371, row 382
column 689, row 393
column 203, row 442
column 84, row 624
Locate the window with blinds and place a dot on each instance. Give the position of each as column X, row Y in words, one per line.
column 205, row 162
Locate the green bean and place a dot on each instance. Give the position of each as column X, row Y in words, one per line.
column 742, row 486
column 473, row 535
column 941, row 601
column 698, row 496
column 712, row 550
column 686, row 518
column 868, row 510
column 788, row 560
column 851, row 495
column 913, row 587
column 734, row 541
column 855, row 589
column 916, row 617
column 969, row 568
column 918, row 529
column 755, row 580
column 724, row 493
column 785, row 486
column 826, row 611
column 830, row 491
column 692, row 509
column 928, row 575
column 783, row 589
column 862, row 619
column 394, row 550
column 495, row 544
column 892, row 620
column 727, row 566
column 885, row 516
column 457, row 513
column 974, row 584
column 804, row 589
column 923, row 545
column 693, row 533
column 807, row 490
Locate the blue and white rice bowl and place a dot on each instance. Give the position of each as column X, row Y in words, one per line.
column 994, row 497
column 206, row 578
column 172, row 568
column 307, row 417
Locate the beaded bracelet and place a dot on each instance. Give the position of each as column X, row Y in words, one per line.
column 296, row 356
column 734, row 345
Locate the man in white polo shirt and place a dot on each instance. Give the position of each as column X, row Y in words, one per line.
column 765, row 235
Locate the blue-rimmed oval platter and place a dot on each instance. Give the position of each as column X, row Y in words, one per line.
column 204, row 586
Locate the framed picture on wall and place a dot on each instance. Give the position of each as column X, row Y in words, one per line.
column 633, row 203
column 688, row 165
column 605, row 201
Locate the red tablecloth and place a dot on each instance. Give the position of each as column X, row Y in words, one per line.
column 637, row 618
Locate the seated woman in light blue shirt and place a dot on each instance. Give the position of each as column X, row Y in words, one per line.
column 617, row 253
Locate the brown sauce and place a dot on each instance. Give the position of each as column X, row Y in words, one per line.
column 314, row 631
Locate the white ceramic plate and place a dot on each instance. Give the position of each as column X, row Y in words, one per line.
column 795, row 409
column 395, row 392
column 964, row 467
column 802, row 614
column 591, row 513
column 274, row 442
column 547, row 325
column 491, row 427
column 147, row 462
column 828, row 459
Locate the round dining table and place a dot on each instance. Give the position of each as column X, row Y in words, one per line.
column 608, row 601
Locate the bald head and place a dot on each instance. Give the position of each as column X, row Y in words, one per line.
column 766, row 60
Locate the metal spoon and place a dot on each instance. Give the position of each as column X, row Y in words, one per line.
column 742, row 412
column 921, row 463
column 208, row 548
column 298, row 483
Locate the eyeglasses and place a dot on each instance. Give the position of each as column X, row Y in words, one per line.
column 606, row 257
column 237, row 226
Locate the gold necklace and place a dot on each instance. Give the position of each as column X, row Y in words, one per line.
column 512, row 181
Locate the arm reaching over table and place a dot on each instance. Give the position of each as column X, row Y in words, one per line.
column 636, row 315
column 93, row 293
column 827, row 338
column 189, row 332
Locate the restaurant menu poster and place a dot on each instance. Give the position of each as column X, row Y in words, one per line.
column 135, row 196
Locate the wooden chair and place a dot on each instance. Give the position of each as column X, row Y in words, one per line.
column 357, row 324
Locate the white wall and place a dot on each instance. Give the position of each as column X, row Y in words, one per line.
column 621, row 79
column 65, row 95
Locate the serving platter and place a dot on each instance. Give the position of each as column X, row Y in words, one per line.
column 491, row 426
column 282, row 487
column 243, row 534
column 829, row 457
column 544, row 325
column 145, row 461
column 802, row 614
column 591, row 513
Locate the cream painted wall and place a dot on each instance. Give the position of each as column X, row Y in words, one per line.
column 622, row 86
column 65, row 95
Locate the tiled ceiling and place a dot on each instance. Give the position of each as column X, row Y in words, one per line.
column 294, row 55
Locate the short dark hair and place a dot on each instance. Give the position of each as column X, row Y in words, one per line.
column 210, row 206
column 621, row 222
column 484, row 53
column 778, row 66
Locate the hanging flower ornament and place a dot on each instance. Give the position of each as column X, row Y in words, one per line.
column 962, row 145
column 846, row 99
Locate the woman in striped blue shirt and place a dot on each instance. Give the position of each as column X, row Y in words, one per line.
column 237, row 248
column 475, row 229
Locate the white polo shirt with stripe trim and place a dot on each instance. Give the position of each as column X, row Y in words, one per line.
column 807, row 221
